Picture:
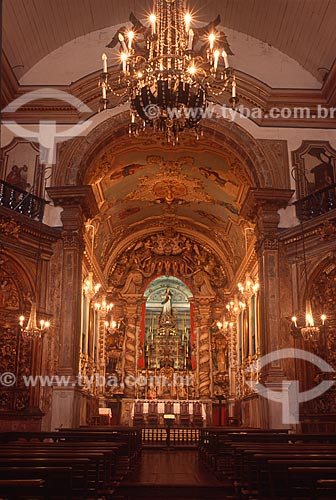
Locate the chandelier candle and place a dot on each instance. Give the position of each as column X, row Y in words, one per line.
column 171, row 70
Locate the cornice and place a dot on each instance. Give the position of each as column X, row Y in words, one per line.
column 312, row 231
column 30, row 233
column 269, row 199
column 252, row 94
column 74, row 196
column 9, row 83
column 329, row 87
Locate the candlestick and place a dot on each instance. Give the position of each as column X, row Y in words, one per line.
column 104, row 90
column 104, row 59
column 187, row 384
column 156, row 355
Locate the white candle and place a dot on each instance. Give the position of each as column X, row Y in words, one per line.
column 122, row 41
column 152, row 19
column 187, row 19
column 191, row 37
column 216, row 57
column 104, row 59
column 234, row 87
column 124, row 59
column 212, row 38
column 226, row 60
column 130, row 36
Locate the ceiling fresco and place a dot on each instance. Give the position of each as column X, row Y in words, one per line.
column 137, row 188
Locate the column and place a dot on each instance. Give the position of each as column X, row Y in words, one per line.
column 262, row 206
column 204, row 382
column 130, row 348
column 78, row 204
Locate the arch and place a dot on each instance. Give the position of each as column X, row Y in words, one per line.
column 22, row 279
column 77, row 157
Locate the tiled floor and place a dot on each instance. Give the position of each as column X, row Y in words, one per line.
column 177, row 475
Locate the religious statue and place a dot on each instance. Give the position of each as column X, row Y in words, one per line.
column 166, row 317
column 167, row 303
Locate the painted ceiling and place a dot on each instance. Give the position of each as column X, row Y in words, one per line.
column 201, row 190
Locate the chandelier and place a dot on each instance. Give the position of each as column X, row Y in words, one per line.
column 103, row 306
column 90, row 289
column 248, row 288
column 307, row 328
column 32, row 330
column 170, row 71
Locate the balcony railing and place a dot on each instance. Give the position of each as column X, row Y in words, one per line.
column 316, row 204
column 21, row 201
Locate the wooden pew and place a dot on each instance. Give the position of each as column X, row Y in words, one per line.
column 304, row 480
column 57, row 481
column 13, row 489
column 109, row 454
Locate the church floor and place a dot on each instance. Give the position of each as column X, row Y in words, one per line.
column 171, row 474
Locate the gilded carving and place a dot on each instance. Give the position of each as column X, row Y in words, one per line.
column 170, row 185
column 72, row 240
column 328, row 230
column 9, row 227
column 168, row 253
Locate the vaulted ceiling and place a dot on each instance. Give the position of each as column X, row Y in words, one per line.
column 302, row 29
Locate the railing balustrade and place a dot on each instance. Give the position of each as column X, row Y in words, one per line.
column 21, row 201
column 157, row 436
column 317, row 203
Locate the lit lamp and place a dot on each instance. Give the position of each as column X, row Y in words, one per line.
column 90, row 289
column 110, row 325
column 32, row 330
column 308, row 331
column 171, row 73
column 103, row 306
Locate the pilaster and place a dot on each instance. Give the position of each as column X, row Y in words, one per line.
column 78, row 204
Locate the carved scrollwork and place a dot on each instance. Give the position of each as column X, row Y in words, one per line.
column 168, row 253
column 9, row 227
column 73, row 240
